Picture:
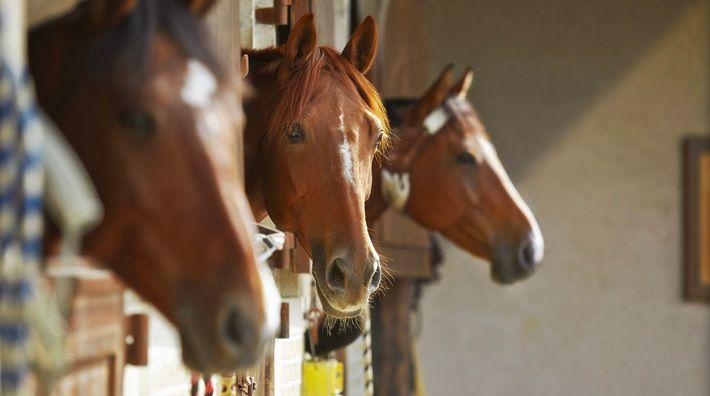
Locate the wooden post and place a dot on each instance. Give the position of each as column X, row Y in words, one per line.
column 332, row 22
column 399, row 71
column 223, row 22
column 391, row 340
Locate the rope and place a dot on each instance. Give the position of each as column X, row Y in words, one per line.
column 367, row 355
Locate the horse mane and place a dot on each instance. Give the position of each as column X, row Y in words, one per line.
column 121, row 53
column 396, row 108
column 295, row 94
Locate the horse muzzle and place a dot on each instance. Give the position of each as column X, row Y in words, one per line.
column 233, row 337
column 515, row 262
column 342, row 292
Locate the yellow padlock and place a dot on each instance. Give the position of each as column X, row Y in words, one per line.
column 322, row 377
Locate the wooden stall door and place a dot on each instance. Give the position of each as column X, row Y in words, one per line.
column 399, row 72
column 96, row 340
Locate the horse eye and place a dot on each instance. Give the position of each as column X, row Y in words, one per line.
column 296, row 134
column 139, row 122
column 378, row 142
column 466, row 159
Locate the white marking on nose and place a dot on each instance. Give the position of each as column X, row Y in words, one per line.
column 200, row 85
column 199, row 91
column 346, row 156
column 347, row 159
column 491, row 157
column 341, row 117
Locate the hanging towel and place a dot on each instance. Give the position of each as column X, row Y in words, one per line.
column 21, row 185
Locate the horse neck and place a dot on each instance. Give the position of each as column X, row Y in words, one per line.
column 253, row 156
column 398, row 111
column 376, row 205
column 404, row 146
column 257, row 115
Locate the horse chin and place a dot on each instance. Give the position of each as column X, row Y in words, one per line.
column 203, row 351
column 503, row 274
column 332, row 311
column 200, row 356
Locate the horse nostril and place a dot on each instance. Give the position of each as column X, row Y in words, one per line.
column 239, row 331
column 335, row 275
column 527, row 256
column 374, row 281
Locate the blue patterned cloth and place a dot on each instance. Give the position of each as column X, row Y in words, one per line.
column 21, row 218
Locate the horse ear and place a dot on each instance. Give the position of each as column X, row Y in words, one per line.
column 460, row 89
column 244, row 66
column 200, row 7
column 301, row 41
column 105, row 13
column 436, row 94
column 362, row 47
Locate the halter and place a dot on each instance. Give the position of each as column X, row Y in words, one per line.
column 396, row 186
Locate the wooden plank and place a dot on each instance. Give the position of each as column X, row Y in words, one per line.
column 39, row 11
column 299, row 8
column 405, row 246
column 402, row 55
column 251, row 33
column 223, row 22
column 704, row 218
column 400, row 71
column 95, row 343
column 696, row 218
column 332, row 22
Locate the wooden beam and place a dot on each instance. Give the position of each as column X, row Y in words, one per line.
column 391, row 340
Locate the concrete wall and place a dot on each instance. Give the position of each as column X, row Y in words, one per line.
column 587, row 102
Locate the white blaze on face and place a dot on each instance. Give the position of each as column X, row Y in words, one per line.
column 216, row 130
column 341, row 118
column 199, row 91
column 491, row 158
column 345, row 151
column 200, row 85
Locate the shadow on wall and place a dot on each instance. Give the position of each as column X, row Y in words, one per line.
column 533, row 59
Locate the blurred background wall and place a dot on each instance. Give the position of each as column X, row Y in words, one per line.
column 586, row 102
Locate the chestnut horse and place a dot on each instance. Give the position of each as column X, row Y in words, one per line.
column 153, row 116
column 311, row 136
column 445, row 174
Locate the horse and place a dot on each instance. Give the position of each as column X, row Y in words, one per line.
column 444, row 173
column 311, row 135
column 153, row 116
